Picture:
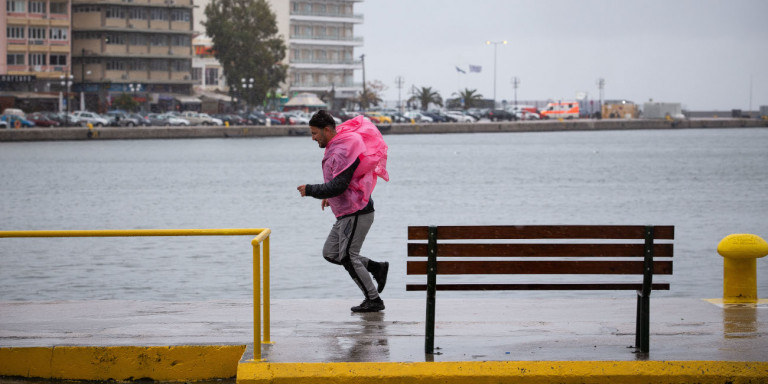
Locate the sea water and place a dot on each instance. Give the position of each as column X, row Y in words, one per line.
column 707, row 183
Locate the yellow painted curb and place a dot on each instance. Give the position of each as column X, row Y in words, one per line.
column 518, row 372
column 174, row 363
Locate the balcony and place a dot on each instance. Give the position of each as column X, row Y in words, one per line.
column 326, row 40
column 325, row 64
column 332, row 17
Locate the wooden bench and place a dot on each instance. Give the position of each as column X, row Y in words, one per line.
column 566, row 250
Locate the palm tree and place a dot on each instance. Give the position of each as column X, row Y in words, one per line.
column 425, row 96
column 470, row 98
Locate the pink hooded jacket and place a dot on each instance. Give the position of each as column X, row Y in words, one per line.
column 356, row 138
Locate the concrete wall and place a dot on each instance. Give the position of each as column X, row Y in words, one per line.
column 42, row 134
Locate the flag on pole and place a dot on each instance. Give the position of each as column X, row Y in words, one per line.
column 460, row 70
column 475, row 68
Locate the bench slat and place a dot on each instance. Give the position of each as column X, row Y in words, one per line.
column 539, row 287
column 540, row 250
column 542, row 232
column 540, row 267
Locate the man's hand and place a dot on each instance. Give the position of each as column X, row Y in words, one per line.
column 302, row 189
column 324, row 204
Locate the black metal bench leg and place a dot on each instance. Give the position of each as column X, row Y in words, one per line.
column 429, row 342
column 642, row 328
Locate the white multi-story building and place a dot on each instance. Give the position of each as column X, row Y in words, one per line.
column 319, row 35
column 321, row 44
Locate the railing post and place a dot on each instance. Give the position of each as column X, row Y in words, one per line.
column 256, row 302
column 265, row 257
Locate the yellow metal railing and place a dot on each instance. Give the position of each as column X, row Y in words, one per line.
column 262, row 237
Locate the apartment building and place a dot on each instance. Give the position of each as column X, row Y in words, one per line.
column 34, row 52
column 321, row 44
column 138, row 47
column 320, row 38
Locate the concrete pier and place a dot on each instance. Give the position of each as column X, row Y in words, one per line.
column 543, row 340
column 133, row 133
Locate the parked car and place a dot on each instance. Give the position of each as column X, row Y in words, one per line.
column 123, row 119
column 42, row 120
column 166, row 120
column 94, row 118
column 15, row 121
column 142, row 120
column 500, row 114
column 210, row 119
column 278, row 116
column 460, row 117
column 195, row 118
column 418, row 117
column 377, row 117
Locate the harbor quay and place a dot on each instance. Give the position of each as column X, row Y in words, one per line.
column 546, row 339
column 131, row 133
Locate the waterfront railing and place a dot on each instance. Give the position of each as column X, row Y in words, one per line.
column 260, row 245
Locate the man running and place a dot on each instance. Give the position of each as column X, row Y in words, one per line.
column 355, row 155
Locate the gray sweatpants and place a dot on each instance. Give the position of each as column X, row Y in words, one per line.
column 343, row 247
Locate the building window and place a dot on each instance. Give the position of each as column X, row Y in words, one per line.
column 115, row 39
column 158, row 65
column 15, row 59
column 16, row 6
column 181, row 65
column 58, row 33
column 58, row 8
column 158, row 40
column 158, row 14
column 37, row 59
column 115, row 13
column 36, row 33
column 58, row 59
column 137, row 39
column 138, row 13
column 87, row 35
column 180, row 15
column 138, row 65
column 197, row 73
column 212, row 76
column 36, row 7
column 15, row 32
column 180, row 41
column 115, row 65
column 86, row 8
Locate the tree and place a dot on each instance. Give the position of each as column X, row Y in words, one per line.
column 426, row 96
column 126, row 103
column 372, row 94
column 471, row 99
column 245, row 42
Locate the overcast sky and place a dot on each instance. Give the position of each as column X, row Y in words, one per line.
column 701, row 53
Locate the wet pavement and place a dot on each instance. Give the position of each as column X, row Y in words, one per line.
column 548, row 329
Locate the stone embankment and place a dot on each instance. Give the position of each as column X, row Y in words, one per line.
column 129, row 133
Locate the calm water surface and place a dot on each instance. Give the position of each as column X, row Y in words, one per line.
column 708, row 183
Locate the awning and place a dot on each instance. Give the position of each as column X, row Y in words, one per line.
column 29, row 95
column 305, row 100
column 215, row 96
column 187, row 99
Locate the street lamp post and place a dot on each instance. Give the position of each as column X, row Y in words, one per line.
column 495, row 45
column 246, row 84
column 515, row 84
column 66, row 81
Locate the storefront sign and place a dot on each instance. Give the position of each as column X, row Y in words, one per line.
column 17, row 78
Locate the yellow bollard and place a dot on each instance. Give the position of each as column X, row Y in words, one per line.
column 740, row 253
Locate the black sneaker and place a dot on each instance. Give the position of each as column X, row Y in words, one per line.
column 374, row 305
column 381, row 276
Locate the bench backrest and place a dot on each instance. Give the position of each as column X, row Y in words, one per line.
column 555, row 250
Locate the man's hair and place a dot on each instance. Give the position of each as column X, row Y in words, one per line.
column 322, row 119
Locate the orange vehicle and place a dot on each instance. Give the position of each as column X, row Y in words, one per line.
column 561, row 110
